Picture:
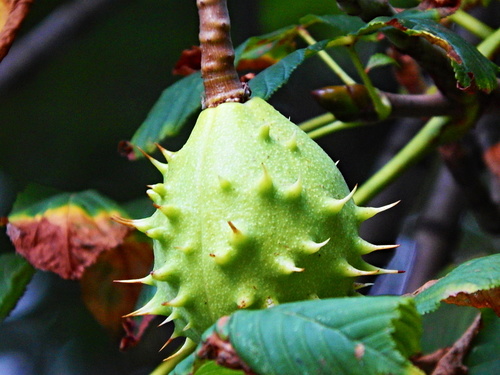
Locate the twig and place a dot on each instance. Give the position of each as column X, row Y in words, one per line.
column 327, row 59
column 41, row 43
column 418, row 147
column 452, row 362
column 220, row 78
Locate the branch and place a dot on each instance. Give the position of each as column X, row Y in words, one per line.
column 217, row 55
column 56, row 30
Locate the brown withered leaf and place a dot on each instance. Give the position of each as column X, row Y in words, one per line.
column 492, row 159
column 12, row 13
column 66, row 233
column 107, row 300
column 482, row 298
column 189, row 62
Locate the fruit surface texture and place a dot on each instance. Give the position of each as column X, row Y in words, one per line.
column 251, row 213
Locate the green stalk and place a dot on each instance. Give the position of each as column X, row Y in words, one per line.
column 304, row 34
column 490, row 45
column 418, row 147
column 333, row 127
column 472, row 24
column 383, row 109
column 317, row 122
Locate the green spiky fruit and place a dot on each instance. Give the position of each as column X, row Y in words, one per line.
column 251, row 213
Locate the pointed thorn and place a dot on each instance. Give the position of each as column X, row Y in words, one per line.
column 334, row 206
column 312, row 247
column 187, row 327
column 366, row 247
column 188, row 347
column 122, row 220
column 291, row 144
column 337, row 162
column 287, row 266
column 365, row 213
column 294, row 191
column 224, row 184
column 170, row 211
column 168, row 155
column 159, row 189
column 265, row 183
column 162, row 167
column 264, row 132
column 166, row 344
column 179, row 301
column 157, row 233
column 164, row 273
column 148, row 280
column 357, row 286
column 154, row 196
column 350, row 271
column 174, row 315
column 237, row 238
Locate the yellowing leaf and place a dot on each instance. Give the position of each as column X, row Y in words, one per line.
column 12, row 13
column 66, row 233
column 107, row 300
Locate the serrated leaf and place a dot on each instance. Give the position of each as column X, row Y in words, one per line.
column 66, row 232
column 169, row 114
column 263, row 51
column 366, row 335
column 267, row 82
column 481, row 274
column 484, row 358
column 15, row 274
column 341, row 24
column 473, row 71
column 378, row 60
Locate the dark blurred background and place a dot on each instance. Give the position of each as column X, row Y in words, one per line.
column 81, row 77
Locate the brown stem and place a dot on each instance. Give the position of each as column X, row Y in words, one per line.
column 217, row 55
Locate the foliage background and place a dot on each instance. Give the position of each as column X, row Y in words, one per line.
column 60, row 123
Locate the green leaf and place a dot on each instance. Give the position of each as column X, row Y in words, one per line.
column 379, row 59
column 484, row 358
column 170, row 113
column 472, row 69
column 263, row 51
column 15, row 274
column 267, row 82
column 366, row 335
column 481, row 274
column 341, row 24
column 65, row 233
column 211, row 368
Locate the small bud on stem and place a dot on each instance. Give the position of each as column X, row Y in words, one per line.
column 217, row 55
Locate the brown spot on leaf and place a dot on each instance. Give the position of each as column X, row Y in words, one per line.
column 12, row 14
column 223, row 353
column 483, row 298
column 65, row 240
column 359, row 351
